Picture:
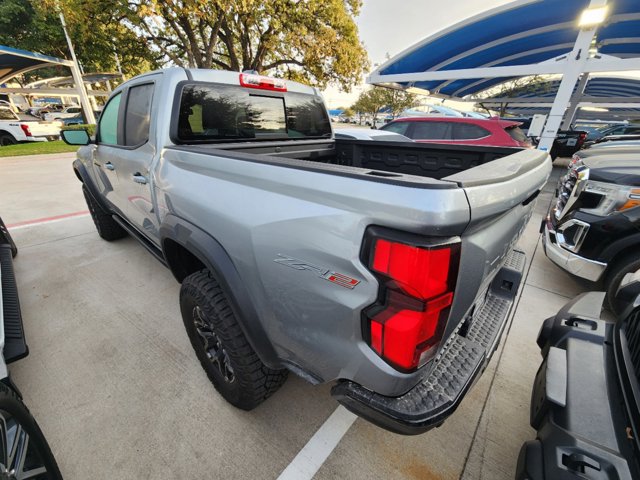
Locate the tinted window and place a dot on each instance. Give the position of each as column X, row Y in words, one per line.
column 396, row 127
column 467, row 131
column 226, row 113
column 74, row 110
column 109, row 122
column 632, row 130
column 431, row 131
column 138, row 115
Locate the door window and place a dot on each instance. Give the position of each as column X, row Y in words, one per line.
column 109, row 121
column 138, row 115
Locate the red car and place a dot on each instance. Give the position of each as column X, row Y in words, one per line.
column 461, row 131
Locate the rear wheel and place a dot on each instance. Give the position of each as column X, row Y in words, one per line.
column 622, row 266
column 231, row 364
column 107, row 227
column 7, row 139
column 24, row 452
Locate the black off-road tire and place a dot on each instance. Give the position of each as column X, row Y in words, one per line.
column 622, row 266
column 249, row 381
column 7, row 139
column 38, row 455
column 107, row 227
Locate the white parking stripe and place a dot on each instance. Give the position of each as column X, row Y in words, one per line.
column 319, row 447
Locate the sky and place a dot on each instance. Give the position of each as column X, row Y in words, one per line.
column 390, row 26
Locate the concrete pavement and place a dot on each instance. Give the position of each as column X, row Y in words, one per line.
column 115, row 386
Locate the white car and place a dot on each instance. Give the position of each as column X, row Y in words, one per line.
column 68, row 112
column 14, row 130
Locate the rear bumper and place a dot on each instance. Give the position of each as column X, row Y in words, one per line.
column 569, row 261
column 460, row 363
column 575, row 402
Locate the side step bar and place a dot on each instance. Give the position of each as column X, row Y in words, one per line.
column 15, row 346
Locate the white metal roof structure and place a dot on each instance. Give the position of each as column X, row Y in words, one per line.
column 573, row 38
column 14, row 62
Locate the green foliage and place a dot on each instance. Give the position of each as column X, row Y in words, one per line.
column 36, row 148
column 371, row 101
column 90, row 128
column 314, row 41
column 93, row 25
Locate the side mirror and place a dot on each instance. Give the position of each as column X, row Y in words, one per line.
column 75, row 137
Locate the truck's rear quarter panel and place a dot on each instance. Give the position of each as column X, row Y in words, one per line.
column 284, row 225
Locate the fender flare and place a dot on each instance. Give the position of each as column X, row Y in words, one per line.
column 611, row 251
column 84, row 177
column 213, row 255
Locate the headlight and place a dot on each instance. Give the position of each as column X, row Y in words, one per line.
column 615, row 198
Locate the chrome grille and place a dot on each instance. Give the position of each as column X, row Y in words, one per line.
column 569, row 187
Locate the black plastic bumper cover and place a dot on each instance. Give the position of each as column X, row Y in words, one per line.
column 575, row 403
column 461, row 361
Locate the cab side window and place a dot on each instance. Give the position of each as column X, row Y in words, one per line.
column 108, row 129
column 138, row 115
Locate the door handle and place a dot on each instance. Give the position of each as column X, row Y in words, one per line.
column 138, row 178
column 109, row 166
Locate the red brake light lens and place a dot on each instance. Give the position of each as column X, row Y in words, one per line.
column 25, row 129
column 417, row 283
column 251, row 80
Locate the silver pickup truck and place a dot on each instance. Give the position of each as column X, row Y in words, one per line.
column 385, row 267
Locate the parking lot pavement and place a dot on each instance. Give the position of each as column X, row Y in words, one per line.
column 115, row 386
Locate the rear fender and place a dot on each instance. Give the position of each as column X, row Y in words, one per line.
column 213, row 255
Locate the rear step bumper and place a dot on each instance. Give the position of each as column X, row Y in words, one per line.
column 15, row 346
column 461, row 362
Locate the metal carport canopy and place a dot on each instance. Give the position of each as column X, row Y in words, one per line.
column 525, row 37
column 14, row 62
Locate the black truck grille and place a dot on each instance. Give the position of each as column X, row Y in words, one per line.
column 631, row 331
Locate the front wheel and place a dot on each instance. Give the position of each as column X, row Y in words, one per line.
column 24, row 452
column 107, row 227
column 613, row 279
column 231, row 364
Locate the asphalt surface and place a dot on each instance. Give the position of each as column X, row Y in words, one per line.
column 115, row 386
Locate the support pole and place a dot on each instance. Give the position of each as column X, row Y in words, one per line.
column 77, row 78
column 573, row 68
column 574, row 102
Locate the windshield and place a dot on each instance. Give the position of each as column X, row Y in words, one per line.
column 219, row 113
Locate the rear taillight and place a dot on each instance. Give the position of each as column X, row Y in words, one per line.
column 251, row 80
column 25, row 129
column 417, row 283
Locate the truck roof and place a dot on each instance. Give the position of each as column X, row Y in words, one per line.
column 223, row 76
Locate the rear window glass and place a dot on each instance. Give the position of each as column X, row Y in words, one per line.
column 431, row 131
column 517, row 134
column 6, row 114
column 396, row 127
column 468, row 131
column 218, row 113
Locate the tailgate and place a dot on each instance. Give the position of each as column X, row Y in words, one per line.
column 501, row 198
column 42, row 129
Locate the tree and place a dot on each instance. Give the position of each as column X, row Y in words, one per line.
column 535, row 84
column 398, row 101
column 315, row 41
column 372, row 101
column 93, row 26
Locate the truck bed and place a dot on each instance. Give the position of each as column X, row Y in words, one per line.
column 390, row 160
